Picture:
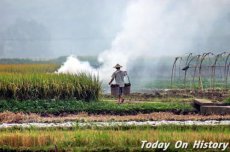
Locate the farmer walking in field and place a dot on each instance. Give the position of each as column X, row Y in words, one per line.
column 119, row 75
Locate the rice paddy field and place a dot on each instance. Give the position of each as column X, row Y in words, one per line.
column 31, row 81
column 33, row 93
column 28, row 68
column 109, row 139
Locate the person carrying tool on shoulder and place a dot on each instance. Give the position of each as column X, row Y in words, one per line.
column 119, row 75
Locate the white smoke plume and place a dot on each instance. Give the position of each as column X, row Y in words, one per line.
column 74, row 66
column 157, row 28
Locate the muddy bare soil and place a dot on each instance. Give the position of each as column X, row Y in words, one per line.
column 145, row 95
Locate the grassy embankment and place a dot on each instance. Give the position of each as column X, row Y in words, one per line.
column 109, row 139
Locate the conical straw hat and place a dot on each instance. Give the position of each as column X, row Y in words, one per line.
column 117, row 66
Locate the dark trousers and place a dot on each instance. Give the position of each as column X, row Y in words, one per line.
column 121, row 91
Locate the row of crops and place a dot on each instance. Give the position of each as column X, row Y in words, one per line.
column 24, row 82
column 28, row 68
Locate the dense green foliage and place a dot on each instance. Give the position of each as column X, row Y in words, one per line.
column 100, row 107
column 49, row 86
column 227, row 101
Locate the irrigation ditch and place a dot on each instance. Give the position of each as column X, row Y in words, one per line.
column 115, row 124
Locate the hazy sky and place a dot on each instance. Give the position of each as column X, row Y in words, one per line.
column 52, row 28
column 43, row 28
